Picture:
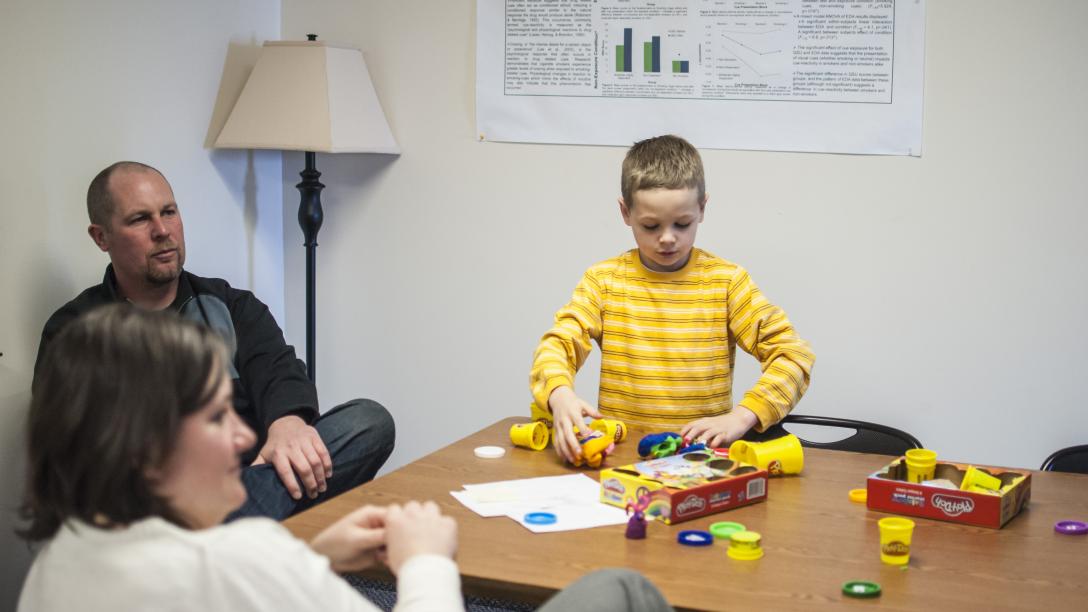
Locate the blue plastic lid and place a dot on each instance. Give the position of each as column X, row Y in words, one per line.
column 540, row 518
column 695, row 537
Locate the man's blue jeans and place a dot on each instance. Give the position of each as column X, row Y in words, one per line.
column 608, row 590
column 359, row 436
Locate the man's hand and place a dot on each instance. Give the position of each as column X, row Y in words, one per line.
column 354, row 542
column 293, row 447
column 417, row 529
column 568, row 411
column 722, row 430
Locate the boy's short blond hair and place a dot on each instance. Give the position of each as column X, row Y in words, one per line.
column 662, row 162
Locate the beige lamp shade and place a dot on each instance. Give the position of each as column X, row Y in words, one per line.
column 308, row 96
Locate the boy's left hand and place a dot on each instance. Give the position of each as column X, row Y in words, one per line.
column 720, row 431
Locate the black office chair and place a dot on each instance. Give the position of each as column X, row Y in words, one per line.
column 1072, row 459
column 867, row 437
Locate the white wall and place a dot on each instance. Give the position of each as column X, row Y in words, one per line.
column 86, row 84
column 944, row 295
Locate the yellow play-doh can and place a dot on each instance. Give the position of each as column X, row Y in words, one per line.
column 533, row 435
column 895, row 538
column 611, row 428
column 778, row 456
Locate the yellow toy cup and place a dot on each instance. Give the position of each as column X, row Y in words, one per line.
column 895, row 536
column 779, row 456
column 530, row 435
column 611, row 428
column 975, row 479
column 921, row 464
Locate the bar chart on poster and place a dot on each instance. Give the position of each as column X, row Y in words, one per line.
column 649, row 63
column 533, row 53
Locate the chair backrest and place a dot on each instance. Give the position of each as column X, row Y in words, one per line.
column 867, row 437
column 1072, row 459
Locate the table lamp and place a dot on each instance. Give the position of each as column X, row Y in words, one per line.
column 308, row 96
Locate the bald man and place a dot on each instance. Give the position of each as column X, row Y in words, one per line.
column 302, row 456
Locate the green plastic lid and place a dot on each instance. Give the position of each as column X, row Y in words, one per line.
column 860, row 588
column 725, row 529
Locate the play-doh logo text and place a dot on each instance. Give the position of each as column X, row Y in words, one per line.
column 952, row 505
column 691, row 505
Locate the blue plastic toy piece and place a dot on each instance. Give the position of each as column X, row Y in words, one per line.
column 659, row 444
column 693, row 448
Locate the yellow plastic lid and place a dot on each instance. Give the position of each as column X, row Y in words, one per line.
column 859, row 496
column 744, row 546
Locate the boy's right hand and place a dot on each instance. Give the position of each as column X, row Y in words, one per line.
column 416, row 529
column 568, row 411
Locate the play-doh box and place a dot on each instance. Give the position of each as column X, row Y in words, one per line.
column 683, row 487
column 952, row 494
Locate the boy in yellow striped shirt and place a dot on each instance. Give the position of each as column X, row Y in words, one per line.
column 668, row 318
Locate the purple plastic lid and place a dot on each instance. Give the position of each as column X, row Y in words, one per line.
column 1071, row 527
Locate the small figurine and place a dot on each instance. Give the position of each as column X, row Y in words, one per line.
column 636, row 525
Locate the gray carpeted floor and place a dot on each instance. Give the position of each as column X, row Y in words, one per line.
column 384, row 595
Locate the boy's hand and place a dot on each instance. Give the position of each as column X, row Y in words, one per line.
column 722, row 430
column 417, row 529
column 568, row 411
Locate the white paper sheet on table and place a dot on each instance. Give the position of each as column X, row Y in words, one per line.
column 573, row 499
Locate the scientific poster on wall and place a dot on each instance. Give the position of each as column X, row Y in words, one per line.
column 778, row 75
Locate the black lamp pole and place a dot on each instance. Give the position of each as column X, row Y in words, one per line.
column 310, row 217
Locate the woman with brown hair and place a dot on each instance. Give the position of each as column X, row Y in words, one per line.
column 134, row 464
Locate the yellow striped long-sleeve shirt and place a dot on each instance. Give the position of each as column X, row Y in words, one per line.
column 668, row 343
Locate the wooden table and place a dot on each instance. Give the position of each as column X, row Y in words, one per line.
column 814, row 538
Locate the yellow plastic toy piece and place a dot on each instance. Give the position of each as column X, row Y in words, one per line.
column 595, row 447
